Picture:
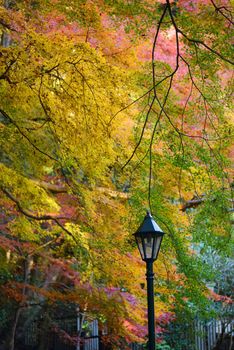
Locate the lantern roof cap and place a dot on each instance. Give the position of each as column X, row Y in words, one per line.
column 149, row 225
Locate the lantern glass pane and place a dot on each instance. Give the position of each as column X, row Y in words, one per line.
column 148, row 243
column 157, row 243
column 140, row 246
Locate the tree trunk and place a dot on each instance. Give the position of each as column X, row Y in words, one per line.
column 27, row 269
column 11, row 343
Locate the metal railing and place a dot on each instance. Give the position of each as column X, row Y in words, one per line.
column 198, row 335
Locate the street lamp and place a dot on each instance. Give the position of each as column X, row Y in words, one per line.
column 148, row 238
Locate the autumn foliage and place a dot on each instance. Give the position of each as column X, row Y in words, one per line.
column 109, row 108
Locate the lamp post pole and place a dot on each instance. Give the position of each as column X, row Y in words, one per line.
column 150, row 299
column 148, row 238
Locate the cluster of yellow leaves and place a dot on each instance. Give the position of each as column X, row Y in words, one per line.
column 67, row 96
column 28, row 194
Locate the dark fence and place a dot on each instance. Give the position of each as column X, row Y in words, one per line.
column 196, row 335
column 214, row 334
column 58, row 337
column 200, row 335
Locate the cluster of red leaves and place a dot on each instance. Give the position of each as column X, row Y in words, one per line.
column 217, row 297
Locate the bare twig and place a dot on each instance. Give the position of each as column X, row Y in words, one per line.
column 220, row 9
column 142, row 134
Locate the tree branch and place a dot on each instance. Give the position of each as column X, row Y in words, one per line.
column 39, row 217
column 219, row 10
column 25, row 136
column 196, row 40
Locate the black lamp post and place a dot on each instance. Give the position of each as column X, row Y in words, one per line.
column 149, row 237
